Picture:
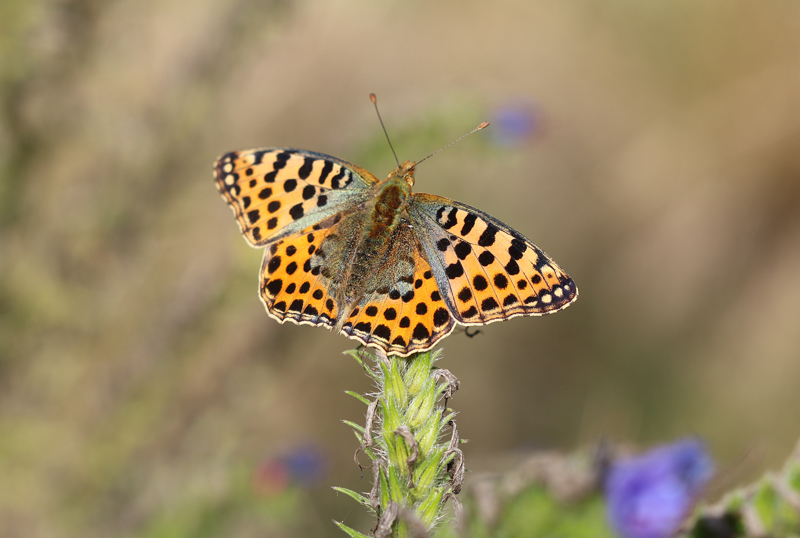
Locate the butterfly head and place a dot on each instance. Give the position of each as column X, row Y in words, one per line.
column 405, row 172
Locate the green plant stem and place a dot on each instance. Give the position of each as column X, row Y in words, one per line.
column 416, row 467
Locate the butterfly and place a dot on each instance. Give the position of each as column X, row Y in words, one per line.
column 392, row 269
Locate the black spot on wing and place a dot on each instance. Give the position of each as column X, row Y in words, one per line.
column 383, row 332
column 517, row 248
column 480, row 283
column 500, row 281
column 280, row 160
column 441, row 317
column 258, row 156
column 512, row 267
column 454, row 270
column 462, row 250
column 451, row 219
column 335, row 180
column 489, row 304
column 420, row 332
column 469, row 223
column 470, row 312
column 325, row 172
column 305, row 170
column 465, row 294
column 274, row 264
column 487, row 237
column 274, row 286
column 486, row 258
column 296, row 211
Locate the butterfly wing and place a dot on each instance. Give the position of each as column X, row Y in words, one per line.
column 277, row 192
column 485, row 270
column 402, row 311
column 293, row 286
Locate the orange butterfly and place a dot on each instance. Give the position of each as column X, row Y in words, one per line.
column 392, row 269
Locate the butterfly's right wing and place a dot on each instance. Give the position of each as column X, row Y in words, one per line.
column 277, row 192
column 486, row 270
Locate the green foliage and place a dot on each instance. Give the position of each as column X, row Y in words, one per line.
column 769, row 507
column 554, row 495
column 535, row 512
column 403, row 437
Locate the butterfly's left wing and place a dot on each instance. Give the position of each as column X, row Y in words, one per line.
column 278, row 192
column 485, row 270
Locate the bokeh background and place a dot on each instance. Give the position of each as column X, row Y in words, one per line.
column 652, row 148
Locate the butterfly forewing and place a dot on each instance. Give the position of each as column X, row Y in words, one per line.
column 277, row 192
column 486, row 270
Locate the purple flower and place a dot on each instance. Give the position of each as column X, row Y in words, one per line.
column 513, row 124
column 303, row 466
column 306, row 465
column 649, row 496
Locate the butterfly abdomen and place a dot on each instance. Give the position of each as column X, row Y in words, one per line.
column 374, row 244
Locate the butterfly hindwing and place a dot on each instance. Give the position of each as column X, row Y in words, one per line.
column 486, row 270
column 404, row 312
column 277, row 192
column 292, row 284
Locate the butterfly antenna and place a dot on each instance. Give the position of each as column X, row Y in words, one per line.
column 375, row 102
column 483, row 125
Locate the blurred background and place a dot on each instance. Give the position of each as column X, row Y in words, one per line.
column 651, row 148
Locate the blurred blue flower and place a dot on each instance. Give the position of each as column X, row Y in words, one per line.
column 513, row 124
column 303, row 466
column 307, row 465
column 649, row 496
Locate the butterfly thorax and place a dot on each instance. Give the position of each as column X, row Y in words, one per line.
column 390, row 201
